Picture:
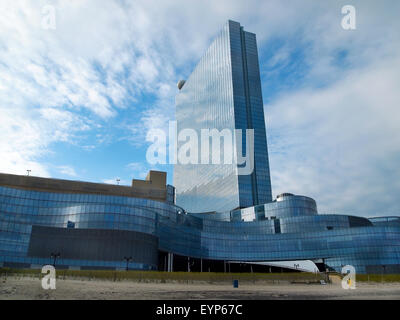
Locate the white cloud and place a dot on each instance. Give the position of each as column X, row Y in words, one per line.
column 116, row 180
column 341, row 144
column 56, row 85
column 68, row 170
column 140, row 170
column 335, row 137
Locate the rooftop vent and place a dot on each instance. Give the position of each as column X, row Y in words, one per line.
column 283, row 195
column 180, row 84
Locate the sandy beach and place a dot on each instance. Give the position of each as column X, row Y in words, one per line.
column 12, row 288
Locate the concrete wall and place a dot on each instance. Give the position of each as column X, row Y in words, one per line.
column 154, row 180
column 154, row 188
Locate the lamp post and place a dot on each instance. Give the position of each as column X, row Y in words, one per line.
column 28, row 172
column 127, row 259
column 118, row 180
column 55, row 255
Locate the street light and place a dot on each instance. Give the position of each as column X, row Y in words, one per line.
column 28, row 171
column 118, row 180
column 127, row 259
column 55, row 256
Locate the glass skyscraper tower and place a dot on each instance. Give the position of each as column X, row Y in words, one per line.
column 96, row 226
column 224, row 92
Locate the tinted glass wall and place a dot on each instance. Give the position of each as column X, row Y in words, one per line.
column 104, row 229
column 93, row 244
column 223, row 92
column 338, row 239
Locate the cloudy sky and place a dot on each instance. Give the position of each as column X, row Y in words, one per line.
column 77, row 101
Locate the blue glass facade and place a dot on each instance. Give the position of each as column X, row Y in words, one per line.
column 288, row 229
column 220, row 216
column 22, row 209
column 224, row 92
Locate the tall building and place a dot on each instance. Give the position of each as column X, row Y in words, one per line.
column 224, row 92
column 88, row 226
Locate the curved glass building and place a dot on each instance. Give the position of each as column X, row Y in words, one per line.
column 97, row 231
column 222, row 221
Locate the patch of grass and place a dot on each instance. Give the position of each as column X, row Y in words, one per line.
column 378, row 277
column 189, row 277
column 163, row 277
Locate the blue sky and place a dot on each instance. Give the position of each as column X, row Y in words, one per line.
column 76, row 102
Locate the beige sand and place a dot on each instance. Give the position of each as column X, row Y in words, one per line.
column 30, row 288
